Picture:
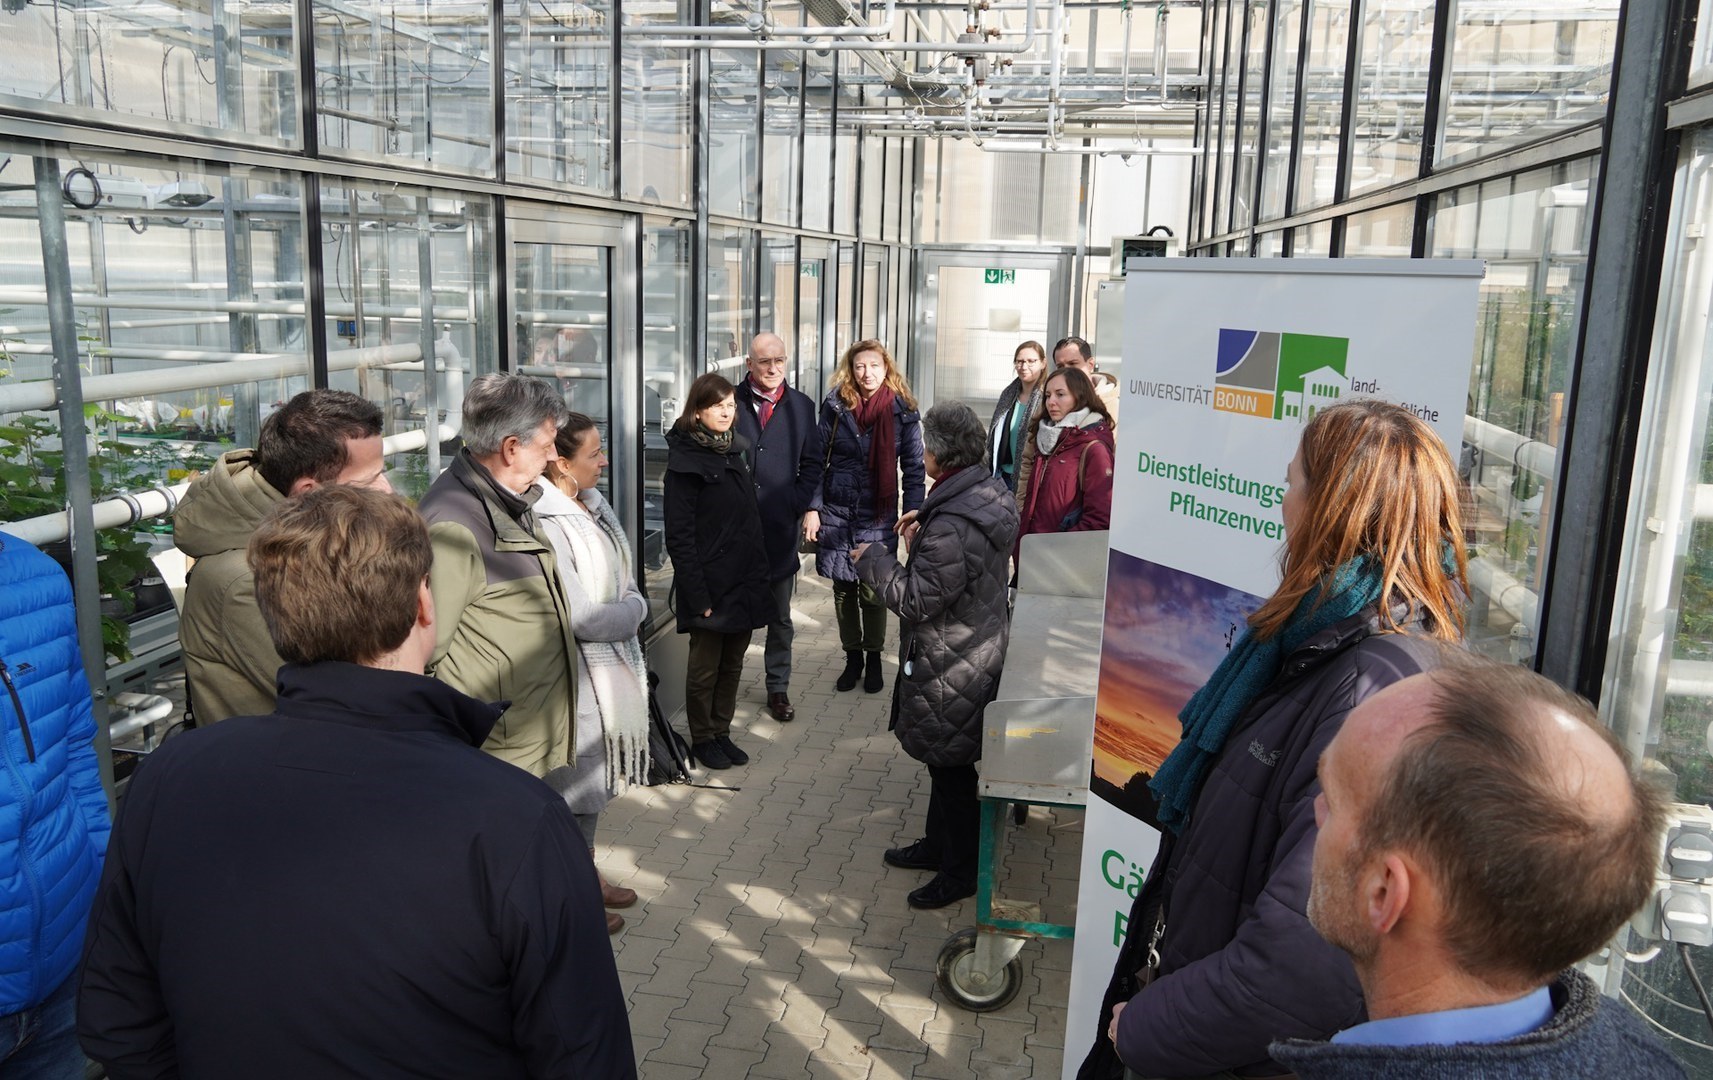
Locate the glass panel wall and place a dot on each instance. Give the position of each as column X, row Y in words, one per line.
column 1659, row 668
column 559, row 92
column 1323, row 102
column 731, row 297
column 818, row 144
column 873, row 164
column 229, row 76
column 562, row 315
column 782, row 135
column 408, row 83
column 655, row 104
column 188, row 297
column 405, row 267
column 1249, row 123
column 778, row 292
column 1520, row 72
column 1391, row 97
column 1281, row 108
column 667, row 372
column 1380, row 234
column 1533, row 232
column 734, row 116
column 1313, row 239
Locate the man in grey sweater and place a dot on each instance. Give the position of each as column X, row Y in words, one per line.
column 1479, row 834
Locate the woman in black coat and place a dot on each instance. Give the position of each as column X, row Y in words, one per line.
column 713, row 534
column 950, row 598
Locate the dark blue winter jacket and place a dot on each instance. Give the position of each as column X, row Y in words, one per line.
column 786, row 460
column 846, row 500
column 1240, row 965
column 53, row 813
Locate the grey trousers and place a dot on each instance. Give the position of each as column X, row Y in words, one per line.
column 779, row 634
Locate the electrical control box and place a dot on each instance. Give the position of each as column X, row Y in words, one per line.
column 1681, row 908
column 1125, row 248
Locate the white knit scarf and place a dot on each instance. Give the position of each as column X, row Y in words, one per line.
column 1047, row 435
column 601, row 557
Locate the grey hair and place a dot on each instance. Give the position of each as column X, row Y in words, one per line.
column 955, row 435
column 501, row 406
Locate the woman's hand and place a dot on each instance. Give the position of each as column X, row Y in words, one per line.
column 811, row 524
column 856, row 552
column 1112, row 1028
column 707, row 613
column 908, row 526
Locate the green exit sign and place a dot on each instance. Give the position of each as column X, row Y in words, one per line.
column 812, row 269
column 996, row 276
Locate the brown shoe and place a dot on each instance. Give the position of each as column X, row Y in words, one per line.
column 615, row 922
column 616, row 895
column 780, row 706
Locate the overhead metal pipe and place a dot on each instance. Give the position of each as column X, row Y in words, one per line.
column 811, row 42
column 869, row 30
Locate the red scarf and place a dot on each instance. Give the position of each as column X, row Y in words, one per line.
column 766, row 400
column 875, row 417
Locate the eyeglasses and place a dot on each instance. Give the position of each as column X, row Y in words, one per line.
column 1021, row 360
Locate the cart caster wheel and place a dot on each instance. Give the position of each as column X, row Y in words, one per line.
column 955, row 972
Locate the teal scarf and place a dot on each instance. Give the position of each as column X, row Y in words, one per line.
column 1247, row 670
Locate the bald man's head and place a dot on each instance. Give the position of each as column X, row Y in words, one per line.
column 1515, row 800
column 767, row 360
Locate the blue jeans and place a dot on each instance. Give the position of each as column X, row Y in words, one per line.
column 41, row 1043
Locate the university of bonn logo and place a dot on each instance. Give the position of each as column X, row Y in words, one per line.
column 1282, row 376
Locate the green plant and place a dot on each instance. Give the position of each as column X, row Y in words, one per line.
column 32, row 483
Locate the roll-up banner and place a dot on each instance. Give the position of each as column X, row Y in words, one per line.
column 1225, row 360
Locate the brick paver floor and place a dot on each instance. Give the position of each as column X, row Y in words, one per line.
column 771, row 941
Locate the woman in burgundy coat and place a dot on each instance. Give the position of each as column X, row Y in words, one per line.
column 1068, row 482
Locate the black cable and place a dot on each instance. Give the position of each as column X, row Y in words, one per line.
column 1695, row 981
column 95, row 185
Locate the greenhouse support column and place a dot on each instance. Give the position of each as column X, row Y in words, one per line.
column 62, row 325
column 1632, row 209
column 430, row 361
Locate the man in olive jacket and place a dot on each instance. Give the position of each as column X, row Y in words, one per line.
column 504, row 627
column 319, row 437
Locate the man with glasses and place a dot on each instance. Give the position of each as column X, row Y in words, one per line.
column 786, row 458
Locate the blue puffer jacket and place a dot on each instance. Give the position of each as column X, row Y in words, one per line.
column 53, row 813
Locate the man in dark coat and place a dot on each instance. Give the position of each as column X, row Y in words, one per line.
column 786, row 458
column 1455, row 807
column 951, row 603
column 349, row 887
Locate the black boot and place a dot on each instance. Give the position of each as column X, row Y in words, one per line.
column 873, row 679
column 853, row 671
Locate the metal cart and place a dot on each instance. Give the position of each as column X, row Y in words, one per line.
column 1036, row 750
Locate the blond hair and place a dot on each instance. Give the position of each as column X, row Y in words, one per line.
column 1380, row 484
column 844, row 377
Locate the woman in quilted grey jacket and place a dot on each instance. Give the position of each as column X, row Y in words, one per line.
column 950, row 599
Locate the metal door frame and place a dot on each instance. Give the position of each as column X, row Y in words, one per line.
column 930, row 261
column 621, row 236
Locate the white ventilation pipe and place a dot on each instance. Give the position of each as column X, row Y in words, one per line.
column 254, row 367
column 127, row 509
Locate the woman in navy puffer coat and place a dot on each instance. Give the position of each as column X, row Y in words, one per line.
column 53, row 812
column 870, row 433
column 1373, row 585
